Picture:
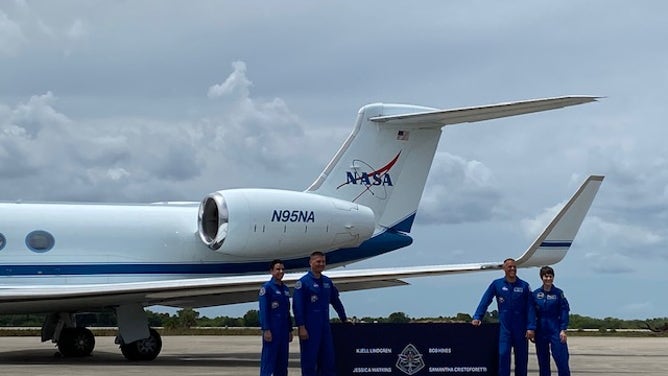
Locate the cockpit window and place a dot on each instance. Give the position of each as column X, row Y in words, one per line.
column 40, row 241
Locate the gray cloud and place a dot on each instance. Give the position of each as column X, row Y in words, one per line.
column 111, row 159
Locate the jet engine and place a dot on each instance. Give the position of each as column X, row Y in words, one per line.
column 268, row 223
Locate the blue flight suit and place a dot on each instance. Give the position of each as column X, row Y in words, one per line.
column 552, row 317
column 275, row 316
column 516, row 316
column 312, row 297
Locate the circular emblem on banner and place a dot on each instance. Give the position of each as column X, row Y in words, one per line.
column 410, row 360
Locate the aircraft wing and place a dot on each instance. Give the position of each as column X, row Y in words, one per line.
column 201, row 292
column 204, row 292
column 548, row 248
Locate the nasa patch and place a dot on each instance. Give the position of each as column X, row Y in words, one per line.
column 540, row 295
column 298, row 285
column 314, row 298
column 274, row 304
column 262, row 291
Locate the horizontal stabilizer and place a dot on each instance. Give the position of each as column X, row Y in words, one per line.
column 487, row 112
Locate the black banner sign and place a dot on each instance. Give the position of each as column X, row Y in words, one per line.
column 416, row 349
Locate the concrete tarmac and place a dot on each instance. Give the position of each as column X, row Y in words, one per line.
column 240, row 356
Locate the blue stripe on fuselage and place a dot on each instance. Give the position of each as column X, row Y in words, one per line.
column 382, row 243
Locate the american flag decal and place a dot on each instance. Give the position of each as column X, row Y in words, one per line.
column 402, row 135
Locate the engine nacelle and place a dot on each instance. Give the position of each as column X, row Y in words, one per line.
column 269, row 223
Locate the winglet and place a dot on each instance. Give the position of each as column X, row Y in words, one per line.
column 551, row 246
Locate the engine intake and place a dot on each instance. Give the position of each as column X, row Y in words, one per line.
column 263, row 223
column 213, row 218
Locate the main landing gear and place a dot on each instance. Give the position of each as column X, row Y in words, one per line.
column 143, row 349
column 76, row 342
column 137, row 341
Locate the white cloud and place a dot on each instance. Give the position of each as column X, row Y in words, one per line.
column 22, row 150
column 626, row 235
column 117, row 173
column 256, row 132
column 458, row 190
column 27, row 30
column 11, row 36
column 236, row 84
column 609, row 262
column 77, row 30
column 37, row 113
column 533, row 226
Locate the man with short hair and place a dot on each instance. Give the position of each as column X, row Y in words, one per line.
column 517, row 317
column 275, row 322
column 313, row 294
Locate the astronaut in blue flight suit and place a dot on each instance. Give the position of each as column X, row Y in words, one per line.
column 552, row 321
column 276, row 323
column 517, row 317
column 313, row 294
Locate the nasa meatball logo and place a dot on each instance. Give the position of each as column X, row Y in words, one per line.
column 368, row 179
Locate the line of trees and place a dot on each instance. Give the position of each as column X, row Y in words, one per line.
column 585, row 322
column 188, row 318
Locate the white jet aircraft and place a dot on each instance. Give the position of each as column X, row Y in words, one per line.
column 63, row 259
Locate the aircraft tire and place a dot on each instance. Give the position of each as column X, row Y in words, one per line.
column 76, row 342
column 143, row 349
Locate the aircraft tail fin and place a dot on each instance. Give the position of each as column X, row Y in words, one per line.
column 385, row 161
column 554, row 242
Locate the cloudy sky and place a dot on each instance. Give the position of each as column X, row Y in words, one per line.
column 142, row 101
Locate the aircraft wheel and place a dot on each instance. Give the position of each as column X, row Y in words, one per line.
column 143, row 349
column 76, row 342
